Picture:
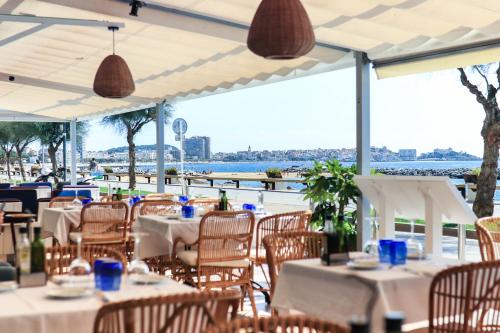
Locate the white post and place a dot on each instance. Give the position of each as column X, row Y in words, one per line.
column 72, row 134
column 363, row 140
column 181, row 126
column 160, row 148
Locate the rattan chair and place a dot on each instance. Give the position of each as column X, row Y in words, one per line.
column 104, row 223
column 293, row 245
column 222, row 256
column 292, row 324
column 58, row 258
column 488, row 234
column 61, row 202
column 159, row 196
column 466, row 299
column 159, row 264
column 188, row 313
column 208, row 204
column 270, row 225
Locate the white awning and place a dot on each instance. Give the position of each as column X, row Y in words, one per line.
column 181, row 49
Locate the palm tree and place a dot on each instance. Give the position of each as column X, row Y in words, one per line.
column 485, row 92
column 131, row 124
column 23, row 135
column 7, row 143
column 52, row 135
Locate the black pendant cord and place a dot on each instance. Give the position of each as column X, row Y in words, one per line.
column 113, row 29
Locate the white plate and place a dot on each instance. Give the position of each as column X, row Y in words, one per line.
column 8, row 286
column 69, row 208
column 68, row 293
column 363, row 264
column 146, row 279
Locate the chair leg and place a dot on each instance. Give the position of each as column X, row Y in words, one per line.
column 252, row 298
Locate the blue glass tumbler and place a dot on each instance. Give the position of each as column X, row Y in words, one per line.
column 108, row 274
column 248, row 206
column 183, row 199
column 384, row 250
column 86, row 201
column 398, row 252
column 187, row 212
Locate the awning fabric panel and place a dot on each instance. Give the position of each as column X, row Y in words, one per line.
column 180, row 49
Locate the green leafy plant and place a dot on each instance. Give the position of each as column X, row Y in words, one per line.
column 108, row 170
column 171, row 172
column 274, row 173
column 330, row 186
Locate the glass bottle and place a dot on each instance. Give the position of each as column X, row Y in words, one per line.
column 260, row 202
column 329, row 240
column 23, row 252
column 371, row 246
column 359, row 324
column 37, row 252
column 223, row 201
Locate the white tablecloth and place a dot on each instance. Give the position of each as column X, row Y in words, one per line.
column 58, row 221
column 161, row 233
column 29, row 310
column 337, row 293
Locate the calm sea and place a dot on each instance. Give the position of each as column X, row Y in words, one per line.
column 262, row 166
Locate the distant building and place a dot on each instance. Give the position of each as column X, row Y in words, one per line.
column 408, row 154
column 197, row 148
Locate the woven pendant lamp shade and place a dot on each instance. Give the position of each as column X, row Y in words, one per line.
column 113, row 78
column 281, row 30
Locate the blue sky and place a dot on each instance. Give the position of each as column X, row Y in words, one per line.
column 422, row 111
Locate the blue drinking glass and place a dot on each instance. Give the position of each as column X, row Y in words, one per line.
column 398, row 252
column 86, row 201
column 183, row 199
column 187, row 212
column 247, row 206
column 384, row 250
column 108, row 274
column 136, row 198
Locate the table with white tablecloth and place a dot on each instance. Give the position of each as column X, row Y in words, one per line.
column 59, row 221
column 29, row 310
column 337, row 293
column 160, row 233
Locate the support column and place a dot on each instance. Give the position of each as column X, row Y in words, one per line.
column 160, row 148
column 363, row 140
column 72, row 133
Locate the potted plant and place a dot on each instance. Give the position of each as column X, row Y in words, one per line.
column 171, row 172
column 330, row 186
column 276, row 173
column 471, row 176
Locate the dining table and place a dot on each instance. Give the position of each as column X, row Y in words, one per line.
column 337, row 293
column 160, row 232
column 59, row 221
column 31, row 310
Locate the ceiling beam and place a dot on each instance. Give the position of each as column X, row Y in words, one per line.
column 58, row 21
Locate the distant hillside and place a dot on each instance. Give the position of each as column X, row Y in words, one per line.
column 124, row 149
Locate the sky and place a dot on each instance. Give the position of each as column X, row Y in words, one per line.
column 423, row 111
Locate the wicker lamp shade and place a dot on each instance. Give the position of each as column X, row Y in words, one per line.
column 113, row 78
column 281, row 29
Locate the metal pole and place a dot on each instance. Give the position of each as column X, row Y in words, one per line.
column 160, row 148
column 362, row 140
column 462, row 238
column 182, row 158
column 65, row 153
column 72, row 133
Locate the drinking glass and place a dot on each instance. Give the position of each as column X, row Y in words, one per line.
column 108, row 274
column 79, row 269
column 137, row 266
column 384, row 250
column 371, row 247
column 76, row 202
column 183, row 199
column 247, row 206
column 187, row 212
column 414, row 247
column 398, row 252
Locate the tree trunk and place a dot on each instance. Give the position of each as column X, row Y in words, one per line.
column 7, row 156
column 131, row 160
column 487, row 180
column 19, row 152
column 52, row 155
